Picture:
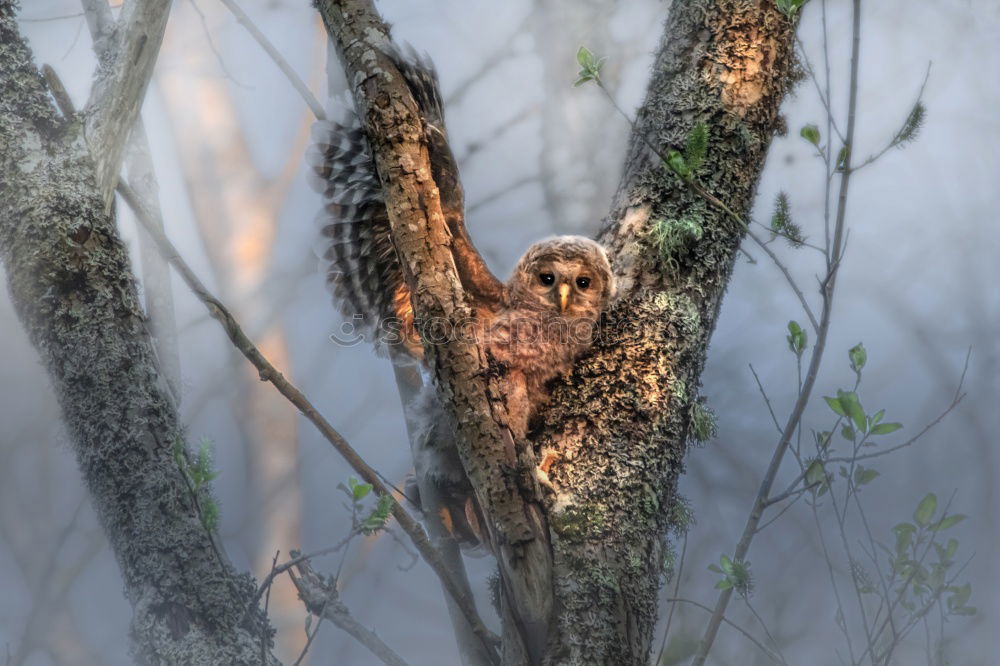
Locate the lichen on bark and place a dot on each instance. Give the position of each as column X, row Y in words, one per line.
column 621, row 422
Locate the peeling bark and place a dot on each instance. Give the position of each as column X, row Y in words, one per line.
column 74, row 292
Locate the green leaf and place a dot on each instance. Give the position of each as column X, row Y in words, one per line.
column 911, row 127
column 858, row 357
column 852, row 408
column 841, row 158
column 950, row 549
column 863, row 476
column 358, row 490
column 715, row 568
column 959, row 595
column 377, row 518
column 789, row 7
column 904, row 536
column 947, row 522
column 782, row 223
column 823, row 438
column 847, row 432
column 727, row 564
column 590, row 66
column 797, row 338
column 878, row 416
column 925, row 509
column 811, row 134
column 675, row 162
column 885, row 428
column 835, row 406
column 815, row 474
column 723, row 584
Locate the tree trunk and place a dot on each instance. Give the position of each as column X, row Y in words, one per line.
column 74, row 292
column 621, row 422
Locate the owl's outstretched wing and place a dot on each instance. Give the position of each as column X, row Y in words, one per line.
column 362, row 265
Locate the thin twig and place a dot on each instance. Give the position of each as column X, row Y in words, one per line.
column 322, row 599
column 767, row 401
column 278, row 569
column 502, row 192
column 267, row 601
column 794, row 420
column 788, row 278
column 832, row 122
column 897, row 139
column 763, row 648
column 673, row 605
column 46, row 19
column 311, row 637
column 293, row 78
column 212, row 47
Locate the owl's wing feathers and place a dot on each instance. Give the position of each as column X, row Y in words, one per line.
column 362, row 265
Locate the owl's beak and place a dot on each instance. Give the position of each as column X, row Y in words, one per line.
column 563, row 297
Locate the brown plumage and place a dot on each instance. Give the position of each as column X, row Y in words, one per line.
column 533, row 327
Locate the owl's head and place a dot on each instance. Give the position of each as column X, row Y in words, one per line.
column 567, row 275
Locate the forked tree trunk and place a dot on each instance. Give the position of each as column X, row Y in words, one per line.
column 588, row 569
column 594, row 554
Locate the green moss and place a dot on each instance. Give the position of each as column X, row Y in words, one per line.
column 577, row 523
column 672, row 238
column 702, row 424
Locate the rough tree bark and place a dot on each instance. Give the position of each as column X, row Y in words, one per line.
column 582, row 561
column 74, row 292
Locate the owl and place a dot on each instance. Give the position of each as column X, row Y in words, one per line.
column 532, row 328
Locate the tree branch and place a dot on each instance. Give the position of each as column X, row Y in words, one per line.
column 120, row 85
column 322, row 599
column 425, row 246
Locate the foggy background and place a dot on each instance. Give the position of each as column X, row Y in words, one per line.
column 538, row 157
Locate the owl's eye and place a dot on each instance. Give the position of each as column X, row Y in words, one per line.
column 583, row 282
column 546, row 278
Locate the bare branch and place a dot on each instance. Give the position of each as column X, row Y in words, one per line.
column 159, row 298
column 120, row 85
column 293, row 78
column 323, row 600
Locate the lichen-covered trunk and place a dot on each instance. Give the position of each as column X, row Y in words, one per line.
column 621, row 422
column 74, row 292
